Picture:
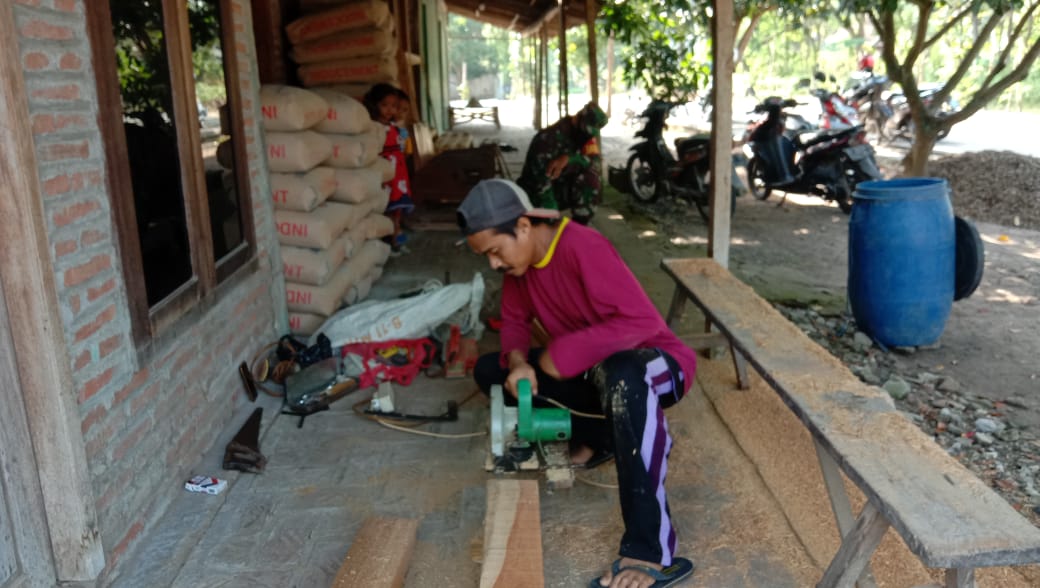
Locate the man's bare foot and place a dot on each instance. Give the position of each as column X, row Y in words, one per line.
column 630, row 578
column 581, row 455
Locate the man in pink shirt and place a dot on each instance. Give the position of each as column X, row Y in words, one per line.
column 610, row 354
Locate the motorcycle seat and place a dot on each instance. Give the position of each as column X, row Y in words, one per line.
column 827, row 135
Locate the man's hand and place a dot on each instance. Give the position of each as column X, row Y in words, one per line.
column 556, row 166
column 519, row 369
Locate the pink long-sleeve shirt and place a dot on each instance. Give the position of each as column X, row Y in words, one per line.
column 589, row 302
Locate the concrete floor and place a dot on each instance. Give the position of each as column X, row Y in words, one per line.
column 292, row 525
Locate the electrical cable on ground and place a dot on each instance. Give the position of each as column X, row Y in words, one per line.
column 408, row 426
column 585, row 480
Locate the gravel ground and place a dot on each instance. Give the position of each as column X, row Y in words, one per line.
column 998, row 187
column 988, row 437
column 992, row 436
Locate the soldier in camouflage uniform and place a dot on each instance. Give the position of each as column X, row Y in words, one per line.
column 566, row 155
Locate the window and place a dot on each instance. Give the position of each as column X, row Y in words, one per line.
column 171, row 120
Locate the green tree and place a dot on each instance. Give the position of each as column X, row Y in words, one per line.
column 483, row 48
column 990, row 45
column 659, row 42
column 141, row 54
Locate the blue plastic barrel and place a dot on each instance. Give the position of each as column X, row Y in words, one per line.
column 902, row 256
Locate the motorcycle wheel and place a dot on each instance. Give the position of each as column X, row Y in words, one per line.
column 642, row 180
column 756, row 179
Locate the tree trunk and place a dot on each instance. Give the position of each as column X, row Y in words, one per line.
column 915, row 164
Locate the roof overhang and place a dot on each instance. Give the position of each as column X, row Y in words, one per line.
column 522, row 16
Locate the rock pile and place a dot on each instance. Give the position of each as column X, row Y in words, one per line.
column 988, row 437
column 993, row 186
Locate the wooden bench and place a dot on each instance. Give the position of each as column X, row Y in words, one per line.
column 946, row 516
column 458, row 115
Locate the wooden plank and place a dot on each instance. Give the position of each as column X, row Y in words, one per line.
column 43, row 365
column 379, row 555
column 512, row 536
column 855, row 551
column 945, row 514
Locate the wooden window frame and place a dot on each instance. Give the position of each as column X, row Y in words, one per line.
column 201, row 289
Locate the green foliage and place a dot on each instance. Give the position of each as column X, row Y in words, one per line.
column 663, row 46
column 482, row 47
column 142, row 58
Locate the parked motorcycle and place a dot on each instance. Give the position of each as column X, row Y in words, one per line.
column 902, row 122
column 828, row 163
column 835, row 112
column 869, row 94
column 653, row 171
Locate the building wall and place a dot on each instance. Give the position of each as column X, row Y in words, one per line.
column 147, row 413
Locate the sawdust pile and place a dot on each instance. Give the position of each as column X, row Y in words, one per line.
column 998, row 187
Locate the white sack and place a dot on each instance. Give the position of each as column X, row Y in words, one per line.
column 359, row 185
column 302, row 192
column 319, row 228
column 313, row 266
column 288, row 108
column 298, row 151
column 406, row 318
column 324, row 299
column 354, row 151
column 303, row 324
column 345, row 113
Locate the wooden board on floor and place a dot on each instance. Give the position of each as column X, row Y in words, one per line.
column 512, row 536
column 379, row 555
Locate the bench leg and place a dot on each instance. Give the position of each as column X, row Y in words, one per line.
column 856, row 548
column 676, row 308
column 740, row 365
column 960, row 578
column 840, row 505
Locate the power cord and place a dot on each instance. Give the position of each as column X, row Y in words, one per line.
column 408, row 426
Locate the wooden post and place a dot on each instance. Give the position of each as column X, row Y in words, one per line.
column 721, row 131
column 544, row 113
column 43, row 365
column 539, row 79
column 590, row 26
column 610, row 74
column 564, row 82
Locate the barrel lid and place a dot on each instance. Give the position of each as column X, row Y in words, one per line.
column 970, row 256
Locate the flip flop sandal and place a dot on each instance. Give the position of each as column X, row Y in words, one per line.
column 680, row 569
column 598, row 458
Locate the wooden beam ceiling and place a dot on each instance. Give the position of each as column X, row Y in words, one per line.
column 519, row 15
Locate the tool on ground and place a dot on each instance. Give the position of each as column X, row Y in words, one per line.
column 382, row 404
column 243, row 452
column 514, row 429
column 313, row 388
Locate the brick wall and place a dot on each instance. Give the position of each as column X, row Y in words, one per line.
column 147, row 414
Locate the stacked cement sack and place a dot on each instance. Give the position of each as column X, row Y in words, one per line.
column 327, row 192
column 350, row 46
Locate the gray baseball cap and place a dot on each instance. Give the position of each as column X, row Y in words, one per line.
column 495, row 202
